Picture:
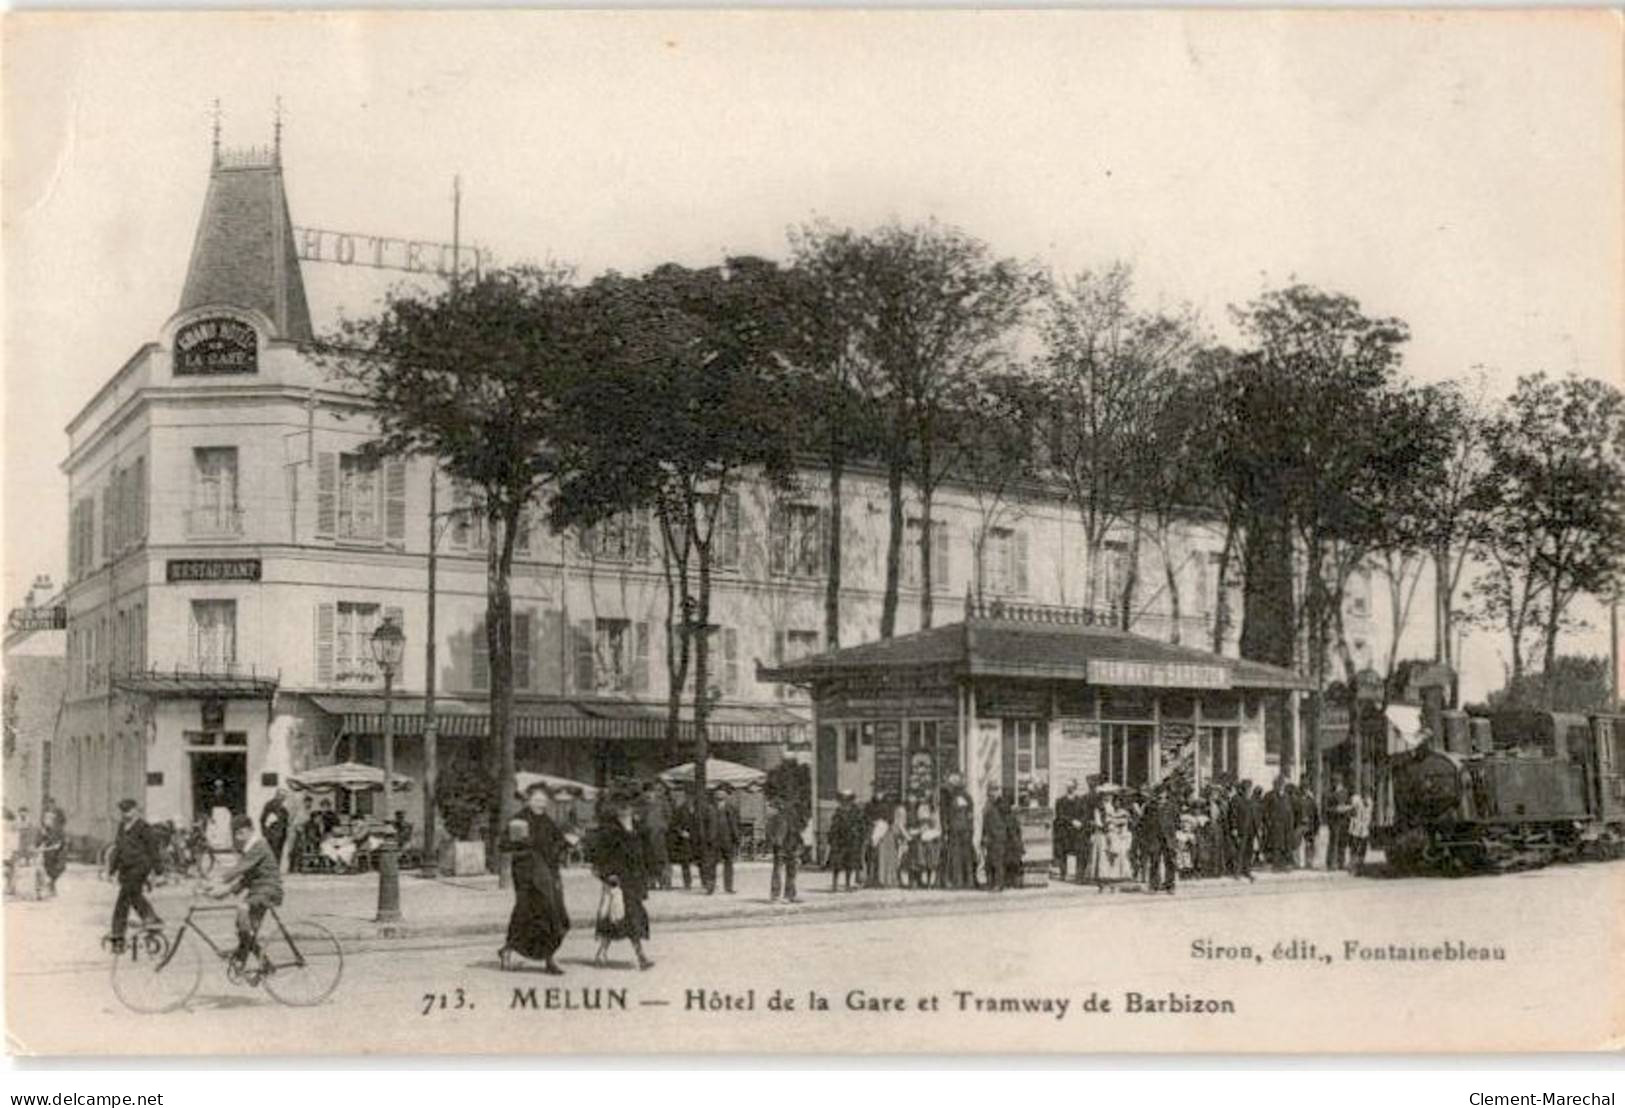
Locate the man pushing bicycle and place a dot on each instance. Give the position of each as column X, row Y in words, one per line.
column 258, row 874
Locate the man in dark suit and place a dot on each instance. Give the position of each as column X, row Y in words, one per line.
column 1243, row 830
column 1070, row 830
column 134, row 860
column 719, row 823
column 995, row 839
column 274, row 823
column 680, row 838
column 1162, row 816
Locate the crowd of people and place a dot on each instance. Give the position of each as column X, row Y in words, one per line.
column 40, row 847
column 1153, row 836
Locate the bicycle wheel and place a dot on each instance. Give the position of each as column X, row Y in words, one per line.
column 153, row 974
column 303, row 961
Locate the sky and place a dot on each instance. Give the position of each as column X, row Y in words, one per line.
column 1462, row 171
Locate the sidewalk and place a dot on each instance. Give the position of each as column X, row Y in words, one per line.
column 470, row 906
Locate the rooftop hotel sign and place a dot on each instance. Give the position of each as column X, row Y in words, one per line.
column 381, row 252
column 217, row 345
column 1159, row 675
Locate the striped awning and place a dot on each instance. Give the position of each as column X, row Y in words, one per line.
column 557, row 718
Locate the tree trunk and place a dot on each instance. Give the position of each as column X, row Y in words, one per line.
column 1131, row 577
column 1441, row 604
column 702, row 683
column 1221, row 592
column 501, row 530
column 894, row 547
column 832, row 585
column 1269, row 610
column 675, row 568
column 926, row 568
column 1168, row 571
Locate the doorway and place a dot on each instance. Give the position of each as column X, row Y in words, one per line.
column 219, row 780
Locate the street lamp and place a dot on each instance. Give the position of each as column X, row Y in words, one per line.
column 388, row 644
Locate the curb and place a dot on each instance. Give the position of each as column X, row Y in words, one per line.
column 366, row 935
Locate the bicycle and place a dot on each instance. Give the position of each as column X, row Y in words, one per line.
column 299, row 963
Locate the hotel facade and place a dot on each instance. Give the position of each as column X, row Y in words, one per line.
column 232, row 549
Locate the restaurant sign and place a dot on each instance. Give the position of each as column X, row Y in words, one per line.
column 1160, row 675
column 219, row 345
column 37, row 619
column 181, row 570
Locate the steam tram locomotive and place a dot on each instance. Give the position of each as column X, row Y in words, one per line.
column 1528, row 789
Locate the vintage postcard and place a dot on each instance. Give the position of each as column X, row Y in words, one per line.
column 850, row 532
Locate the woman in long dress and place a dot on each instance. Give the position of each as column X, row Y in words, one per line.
column 925, row 845
column 620, row 860
column 1117, row 864
column 887, row 838
column 1095, row 861
column 539, row 922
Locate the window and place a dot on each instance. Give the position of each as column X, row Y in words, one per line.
column 787, row 647
column 1125, row 754
column 1004, row 562
column 612, row 656
column 722, row 662
column 725, row 533
column 1026, row 763
column 352, row 643
column 797, row 540
column 82, row 538
column 1359, row 589
column 621, row 538
column 215, row 508
column 1218, row 751
column 1111, row 578
column 360, row 497
column 214, row 635
column 850, row 743
column 137, row 650
column 913, row 571
column 521, row 651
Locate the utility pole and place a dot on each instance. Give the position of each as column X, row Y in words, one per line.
column 431, row 722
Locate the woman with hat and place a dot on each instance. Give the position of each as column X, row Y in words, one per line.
column 539, row 922
column 621, row 863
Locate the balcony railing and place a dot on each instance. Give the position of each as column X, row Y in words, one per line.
column 213, row 523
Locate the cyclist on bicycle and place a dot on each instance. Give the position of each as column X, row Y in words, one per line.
column 257, row 874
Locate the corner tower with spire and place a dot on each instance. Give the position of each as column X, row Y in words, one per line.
column 244, row 255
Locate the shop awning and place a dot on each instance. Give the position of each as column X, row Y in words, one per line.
column 558, row 718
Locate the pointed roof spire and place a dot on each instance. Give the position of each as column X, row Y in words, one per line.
column 244, row 254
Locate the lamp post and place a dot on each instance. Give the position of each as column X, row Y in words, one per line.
column 388, row 644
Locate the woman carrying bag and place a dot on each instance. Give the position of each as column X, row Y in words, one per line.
column 619, row 860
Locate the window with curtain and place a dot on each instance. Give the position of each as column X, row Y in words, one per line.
column 214, row 635
column 215, row 509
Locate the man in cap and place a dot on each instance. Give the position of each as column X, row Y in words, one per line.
column 719, row 822
column 1243, row 827
column 132, row 863
column 846, row 838
column 784, row 839
column 1162, row 816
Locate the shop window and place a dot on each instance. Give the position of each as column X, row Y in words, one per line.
column 1125, row 704
column 1181, row 706
column 215, row 510
column 1026, row 762
column 214, row 635
column 1219, row 751
column 1221, row 706
column 1125, row 754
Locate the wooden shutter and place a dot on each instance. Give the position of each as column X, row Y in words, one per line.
column 395, row 500
column 583, row 638
column 730, row 661
column 939, row 556
column 778, row 540
column 482, row 657
column 640, row 657
column 640, row 526
column 521, row 650
column 107, row 522
column 327, row 488
column 1018, row 562
column 728, row 544
column 324, row 643
column 551, row 640
column 820, row 560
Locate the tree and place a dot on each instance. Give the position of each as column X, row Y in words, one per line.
column 1557, row 463
column 995, row 429
column 1171, row 480
column 822, row 311
column 1107, row 365
column 690, row 394
column 1572, row 683
column 940, row 307
column 474, row 378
